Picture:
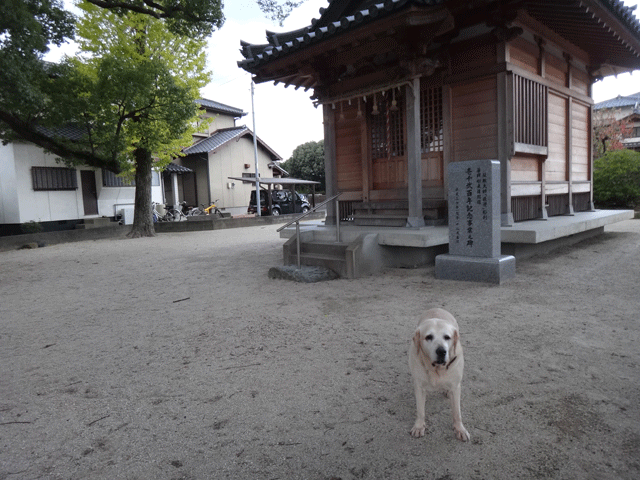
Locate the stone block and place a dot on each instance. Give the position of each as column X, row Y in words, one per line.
column 475, row 269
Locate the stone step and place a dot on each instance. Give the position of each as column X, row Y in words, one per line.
column 337, row 264
column 334, row 249
column 380, row 220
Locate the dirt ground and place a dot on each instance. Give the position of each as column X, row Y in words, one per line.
column 176, row 357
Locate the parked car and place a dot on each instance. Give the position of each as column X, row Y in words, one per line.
column 281, row 203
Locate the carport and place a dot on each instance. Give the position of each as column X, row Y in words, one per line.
column 287, row 182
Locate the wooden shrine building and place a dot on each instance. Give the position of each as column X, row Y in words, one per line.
column 408, row 86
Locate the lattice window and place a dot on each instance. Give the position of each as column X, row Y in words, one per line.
column 54, row 178
column 431, row 119
column 387, row 128
column 529, row 112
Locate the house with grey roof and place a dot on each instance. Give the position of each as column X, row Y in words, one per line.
column 35, row 187
column 622, row 107
column 221, row 150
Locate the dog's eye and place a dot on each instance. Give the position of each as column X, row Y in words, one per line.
column 447, row 337
column 429, row 337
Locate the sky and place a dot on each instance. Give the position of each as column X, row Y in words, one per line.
column 285, row 117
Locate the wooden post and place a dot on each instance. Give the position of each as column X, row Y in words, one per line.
column 505, row 135
column 329, row 122
column 414, row 155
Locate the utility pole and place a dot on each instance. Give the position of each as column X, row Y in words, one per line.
column 255, row 153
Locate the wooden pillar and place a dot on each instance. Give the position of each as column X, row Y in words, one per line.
column 414, row 155
column 505, row 132
column 569, row 209
column 505, row 136
column 569, row 85
column 447, row 147
column 329, row 121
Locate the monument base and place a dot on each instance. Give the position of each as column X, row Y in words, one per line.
column 475, row 269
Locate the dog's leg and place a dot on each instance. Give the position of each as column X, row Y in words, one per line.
column 421, row 397
column 454, row 398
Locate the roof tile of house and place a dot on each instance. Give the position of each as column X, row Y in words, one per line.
column 220, row 107
column 619, row 102
column 223, row 136
column 218, row 138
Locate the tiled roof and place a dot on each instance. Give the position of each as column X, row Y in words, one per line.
column 224, row 136
column 173, row 168
column 570, row 18
column 219, row 138
column 68, row 132
column 220, row 107
column 619, row 102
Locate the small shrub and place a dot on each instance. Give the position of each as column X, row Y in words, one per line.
column 31, row 227
column 616, row 179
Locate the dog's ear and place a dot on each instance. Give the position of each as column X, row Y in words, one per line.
column 417, row 339
column 456, row 339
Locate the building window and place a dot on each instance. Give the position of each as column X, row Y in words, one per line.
column 387, row 127
column 431, row 119
column 54, row 178
column 110, row 179
column 529, row 115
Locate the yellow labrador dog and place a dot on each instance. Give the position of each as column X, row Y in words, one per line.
column 436, row 363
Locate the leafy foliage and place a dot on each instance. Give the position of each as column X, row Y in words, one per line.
column 277, row 11
column 307, row 163
column 37, row 98
column 616, row 179
column 182, row 17
column 141, row 82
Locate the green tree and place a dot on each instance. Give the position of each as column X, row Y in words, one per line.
column 616, row 179
column 307, row 163
column 138, row 84
column 131, row 92
column 128, row 107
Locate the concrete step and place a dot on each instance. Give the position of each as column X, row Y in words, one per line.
column 324, row 248
column 380, row 220
column 338, row 265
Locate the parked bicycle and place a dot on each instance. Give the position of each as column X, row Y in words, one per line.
column 175, row 215
column 212, row 209
column 158, row 212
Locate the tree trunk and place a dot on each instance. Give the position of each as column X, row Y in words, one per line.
column 142, row 217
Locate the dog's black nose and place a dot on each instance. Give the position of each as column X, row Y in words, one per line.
column 441, row 352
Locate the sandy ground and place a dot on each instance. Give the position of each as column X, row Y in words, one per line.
column 176, row 357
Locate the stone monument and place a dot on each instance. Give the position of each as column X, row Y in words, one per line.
column 474, row 225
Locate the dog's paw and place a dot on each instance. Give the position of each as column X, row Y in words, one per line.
column 461, row 433
column 418, row 430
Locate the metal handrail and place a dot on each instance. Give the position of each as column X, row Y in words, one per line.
column 309, row 212
column 297, row 222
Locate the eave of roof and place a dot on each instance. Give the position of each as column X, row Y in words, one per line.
column 617, row 28
column 179, row 169
column 217, row 107
column 224, row 136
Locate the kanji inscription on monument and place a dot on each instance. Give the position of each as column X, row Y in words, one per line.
column 474, row 225
column 474, row 208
